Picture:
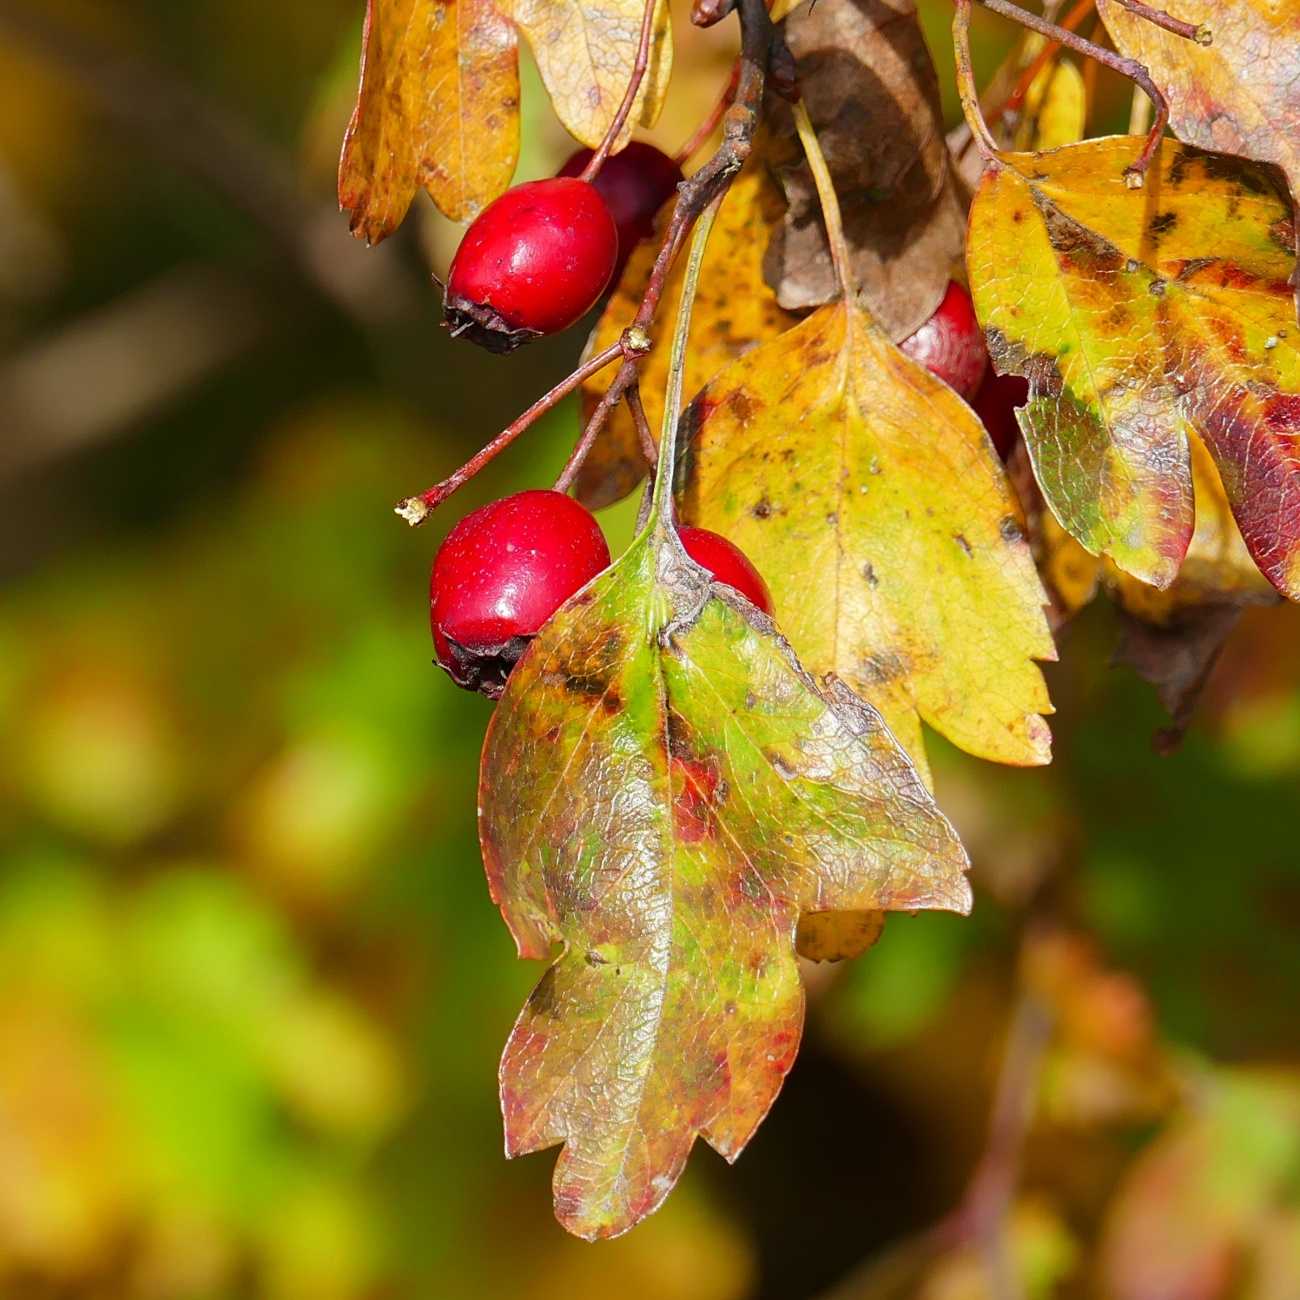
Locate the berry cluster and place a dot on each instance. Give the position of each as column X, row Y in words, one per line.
column 533, row 263
column 504, row 570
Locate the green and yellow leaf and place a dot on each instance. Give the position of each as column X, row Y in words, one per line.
column 585, row 51
column 734, row 309
column 868, row 494
column 665, row 792
column 1138, row 315
column 438, row 108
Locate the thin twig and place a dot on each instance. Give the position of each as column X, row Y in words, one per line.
column 710, row 123
column 981, row 1218
column 967, row 90
column 642, row 62
column 1130, row 68
column 699, row 190
column 415, row 510
column 645, row 435
column 1049, row 51
column 1188, row 31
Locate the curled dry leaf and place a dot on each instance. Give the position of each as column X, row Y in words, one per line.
column 664, row 792
column 734, row 309
column 585, row 51
column 438, row 108
column 1137, row 314
column 1239, row 94
column 1172, row 638
column 868, row 494
column 873, row 96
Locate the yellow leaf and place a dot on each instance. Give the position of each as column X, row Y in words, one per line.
column 585, row 51
column 734, row 308
column 1057, row 105
column 438, row 108
column 869, row 496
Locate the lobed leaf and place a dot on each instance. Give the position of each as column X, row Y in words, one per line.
column 868, row 494
column 664, row 792
column 734, row 308
column 438, row 108
column 585, row 51
column 1239, row 94
column 1138, row 315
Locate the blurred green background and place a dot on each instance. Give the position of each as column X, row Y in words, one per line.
column 252, row 988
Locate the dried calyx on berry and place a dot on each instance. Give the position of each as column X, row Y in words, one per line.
column 727, row 563
column 501, row 573
column 950, row 345
column 532, row 263
column 635, row 183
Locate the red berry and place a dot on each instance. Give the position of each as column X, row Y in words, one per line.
column 500, row 574
column 950, row 344
column 533, row 262
column 727, row 563
column 635, row 184
column 995, row 403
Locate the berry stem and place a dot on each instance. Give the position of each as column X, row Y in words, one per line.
column 645, row 435
column 710, row 123
column 1130, row 68
column 415, row 510
column 695, row 195
column 1188, row 31
column 642, row 62
column 664, row 469
column 829, row 200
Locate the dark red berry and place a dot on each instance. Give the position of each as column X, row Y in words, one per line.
column 635, row 184
column 500, row 574
column 728, row 563
column 995, row 403
column 533, row 262
column 951, row 344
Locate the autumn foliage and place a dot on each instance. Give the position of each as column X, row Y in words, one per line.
column 671, row 780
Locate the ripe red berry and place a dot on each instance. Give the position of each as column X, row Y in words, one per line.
column 635, row 184
column 500, row 574
column 728, row 563
column 533, row 262
column 950, row 344
column 995, row 403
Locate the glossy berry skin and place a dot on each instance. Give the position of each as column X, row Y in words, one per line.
column 533, row 262
column 500, row 574
column 635, row 184
column 727, row 563
column 951, row 344
column 996, row 402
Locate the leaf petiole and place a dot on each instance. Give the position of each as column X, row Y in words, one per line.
column 829, row 200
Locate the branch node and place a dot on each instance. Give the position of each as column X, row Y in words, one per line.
column 636, row 341
column 1203, row 35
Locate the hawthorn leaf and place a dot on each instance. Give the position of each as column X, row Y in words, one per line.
column 585, row 51
column 873, row 96
column 664, row 792
column 1138, row 315
column 1241, row 93
column 734, row 309
column 438, row 108
column 868, row 494
column 1172, row 638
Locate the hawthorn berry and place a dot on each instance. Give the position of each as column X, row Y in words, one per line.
column 950, row 345
column 727, row 563
column 532, row 262
column 635, row 184
column 500, row 574
column 995, row 403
